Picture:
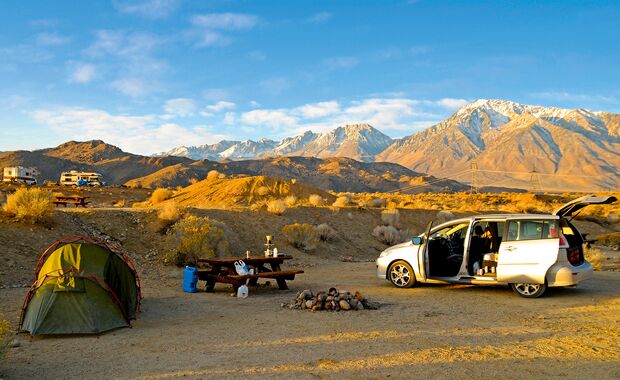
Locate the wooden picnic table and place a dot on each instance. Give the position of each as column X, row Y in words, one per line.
column 222, row 269
column 76, row 200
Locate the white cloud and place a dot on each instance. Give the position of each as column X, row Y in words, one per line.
column 52, row 39
column 180, row 107
column 273, row 118
column 275, row 86
column 230, row 118
column 134, row 87
column 210, row 28
column 138, row 134
column 452, row 103
column 341, row 62
column 320, row 17
column 221, row 106
column 81, row 72
column 572, row 97
column 225, row 21
column 152, row 9
column 123, row 44
column 321, row 109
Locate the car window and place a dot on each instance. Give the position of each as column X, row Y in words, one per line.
column 532, row 230
column 453, row 231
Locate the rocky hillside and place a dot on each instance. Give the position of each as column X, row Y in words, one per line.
column 568, row 149
column 359, row 141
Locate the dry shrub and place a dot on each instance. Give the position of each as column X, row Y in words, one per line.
column 609, row 239
column 342, row 201
column 168, row 214
column 326, row 233
column 263, row 190
column 213, row 174
column 378, row 202
column 291, row 200
column 444, row 216
column 316, row 200
column 390, row 217
column 276, row 206
column 595, row 257
column 613, row 218
column 387, row 235
column 120, row 203
column 195, row 237
column 257, row 206
column 160, row 195
column 192, row 181
column 303, row 236
column 32, row 205
column 5, row 330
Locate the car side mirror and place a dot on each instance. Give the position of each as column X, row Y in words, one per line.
column 417, row 240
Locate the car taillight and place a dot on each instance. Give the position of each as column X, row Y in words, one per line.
column 563, row 242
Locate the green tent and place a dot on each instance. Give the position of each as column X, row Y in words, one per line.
column 82, row 286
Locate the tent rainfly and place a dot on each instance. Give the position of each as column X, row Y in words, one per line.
column 82, row 286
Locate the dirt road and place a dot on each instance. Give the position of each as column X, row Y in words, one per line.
column 425, row 332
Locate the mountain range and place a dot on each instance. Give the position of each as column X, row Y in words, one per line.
column 491, row 142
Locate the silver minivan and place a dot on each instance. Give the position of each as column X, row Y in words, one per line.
column 529, row 252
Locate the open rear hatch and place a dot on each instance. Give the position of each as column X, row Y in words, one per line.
column 577, row 204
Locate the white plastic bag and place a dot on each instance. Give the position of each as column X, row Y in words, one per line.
column 242, row 292
column 241, row 268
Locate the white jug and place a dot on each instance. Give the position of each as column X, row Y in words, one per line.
column 242, row 292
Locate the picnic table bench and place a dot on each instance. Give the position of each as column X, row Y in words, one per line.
column 75, row 200
column 222, row 269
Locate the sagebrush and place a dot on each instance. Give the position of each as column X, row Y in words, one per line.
column 276, row 206
column 160, row 195
column 390, row 217
column 303, row 236
column 342, row 201
column 290, row 200
column 595, row 257
column 326, row 232
column 195, row 237
column 29, row 204
column 5, row 330
column 387, row 235
column 316, row 200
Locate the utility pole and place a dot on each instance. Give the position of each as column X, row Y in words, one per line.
column 474, row 177
column 534, row 180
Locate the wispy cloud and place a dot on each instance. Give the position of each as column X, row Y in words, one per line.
column 151, row 9
column 335, row 63
column 181, row 107
column 52, row 39
column 138, row 134
column 220, row 106
column 80, row 72
column 133, row 87
column 320, row 17
column 320, row 109
column 573, row 97
column 273, row 118
column 213, row 29
column 275, row 86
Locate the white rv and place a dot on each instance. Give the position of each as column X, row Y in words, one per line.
column 75, row 178
column 20, row 174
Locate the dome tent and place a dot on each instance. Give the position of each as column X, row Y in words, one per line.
column 82, row 286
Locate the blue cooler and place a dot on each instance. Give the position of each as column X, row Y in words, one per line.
column 190, row 279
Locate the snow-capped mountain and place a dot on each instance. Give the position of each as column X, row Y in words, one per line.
column 358, row 141
column 509, row 141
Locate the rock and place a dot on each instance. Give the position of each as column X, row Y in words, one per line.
column 305, row 295
column 14, row 344
column 321, row 296
column 353, row 302
column 359, row 306
column 359, row 296
column 316, row 307
column 332, row 291
column 344, row 305
column 329, row 299
column 310, row 303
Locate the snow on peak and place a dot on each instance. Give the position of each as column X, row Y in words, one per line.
column 508, row 109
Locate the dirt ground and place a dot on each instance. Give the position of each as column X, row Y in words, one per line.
column 428, row 331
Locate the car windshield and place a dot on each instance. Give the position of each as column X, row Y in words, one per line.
column 455, row 231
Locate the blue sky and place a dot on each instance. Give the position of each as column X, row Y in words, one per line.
column 149, row 75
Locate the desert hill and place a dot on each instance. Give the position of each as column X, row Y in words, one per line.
column 243, row 191
column 338, row 174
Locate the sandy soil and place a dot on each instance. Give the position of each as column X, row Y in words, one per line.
column 428, row 331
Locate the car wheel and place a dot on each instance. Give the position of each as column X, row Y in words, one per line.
column 529, row 290
column 401, row 274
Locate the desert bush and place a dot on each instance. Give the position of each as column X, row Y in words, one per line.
column 316, row 200
column 120, row 203
column 609, row 239
column 29, row 204
column 595, row 257
column 291, row 200
column 325, row 232
column 390, row 217
column 5, row 330
column 378, row 202
column 213, row 174
column 303, row 236
column 387, row 235
column 444, row 216
column 160, row 195
column 263, row 190
column 342, row 201
column 195, row 237
column 276, row 206
column 168, row 214
column 192, row 181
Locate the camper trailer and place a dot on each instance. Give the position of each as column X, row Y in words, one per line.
column 75, row 178
column 20, row 174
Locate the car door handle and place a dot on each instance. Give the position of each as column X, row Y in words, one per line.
column 510, row 248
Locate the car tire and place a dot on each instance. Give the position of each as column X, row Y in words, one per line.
column 529, row 290
column 401, row 275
